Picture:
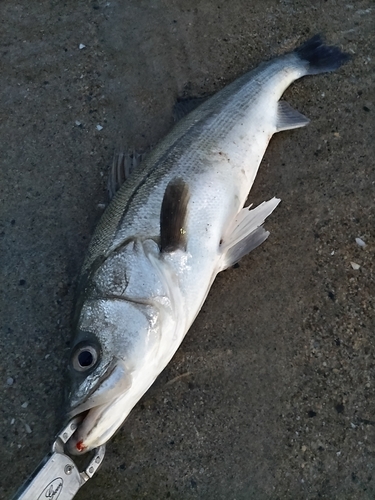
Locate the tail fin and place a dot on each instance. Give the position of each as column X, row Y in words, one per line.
column 321, row 58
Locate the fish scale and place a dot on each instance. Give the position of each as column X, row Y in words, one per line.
column 105, row 231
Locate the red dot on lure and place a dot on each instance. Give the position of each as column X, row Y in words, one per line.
column 80, row 446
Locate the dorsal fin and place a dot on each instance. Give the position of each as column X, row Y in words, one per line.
column 122, row 166
column 173, row 216
column 185, row 105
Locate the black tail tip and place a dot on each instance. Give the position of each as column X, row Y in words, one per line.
column 321, row 58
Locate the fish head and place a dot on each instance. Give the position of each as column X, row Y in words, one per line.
column 116, row 342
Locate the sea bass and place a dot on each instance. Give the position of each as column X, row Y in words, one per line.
column 170, row 229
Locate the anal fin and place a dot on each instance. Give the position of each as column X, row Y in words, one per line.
column 173, row 216
column 289, row 118
column 246, row 233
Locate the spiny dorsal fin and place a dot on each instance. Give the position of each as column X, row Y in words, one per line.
column 122, row 166
column 173, row 216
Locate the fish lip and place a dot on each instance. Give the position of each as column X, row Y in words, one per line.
column 78, row 405
column 80, row 410
column 74, row 445
column 81, row 441
column 111, row 384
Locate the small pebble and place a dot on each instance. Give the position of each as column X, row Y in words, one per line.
column 12, row 421
column 81, row 46
column 360, row 242
column 99, row 127
column 77, row 123
column 355, row 266
column 10, row 381
column 25, row 404
column 28, row 429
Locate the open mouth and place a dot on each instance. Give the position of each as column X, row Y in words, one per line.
column 95, row 410
column 80, row 441
column 74, row 447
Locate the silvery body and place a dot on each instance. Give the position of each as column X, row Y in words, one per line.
column 172, row 226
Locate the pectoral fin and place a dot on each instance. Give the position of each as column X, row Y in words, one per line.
column 173, row 216
column 246, row 233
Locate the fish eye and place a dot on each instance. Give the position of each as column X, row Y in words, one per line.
column 84, row 357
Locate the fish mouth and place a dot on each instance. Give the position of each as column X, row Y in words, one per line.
column 95, row 427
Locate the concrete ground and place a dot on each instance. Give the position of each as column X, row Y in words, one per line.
column 272, row 393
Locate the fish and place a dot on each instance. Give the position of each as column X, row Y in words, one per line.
column 176, row 222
